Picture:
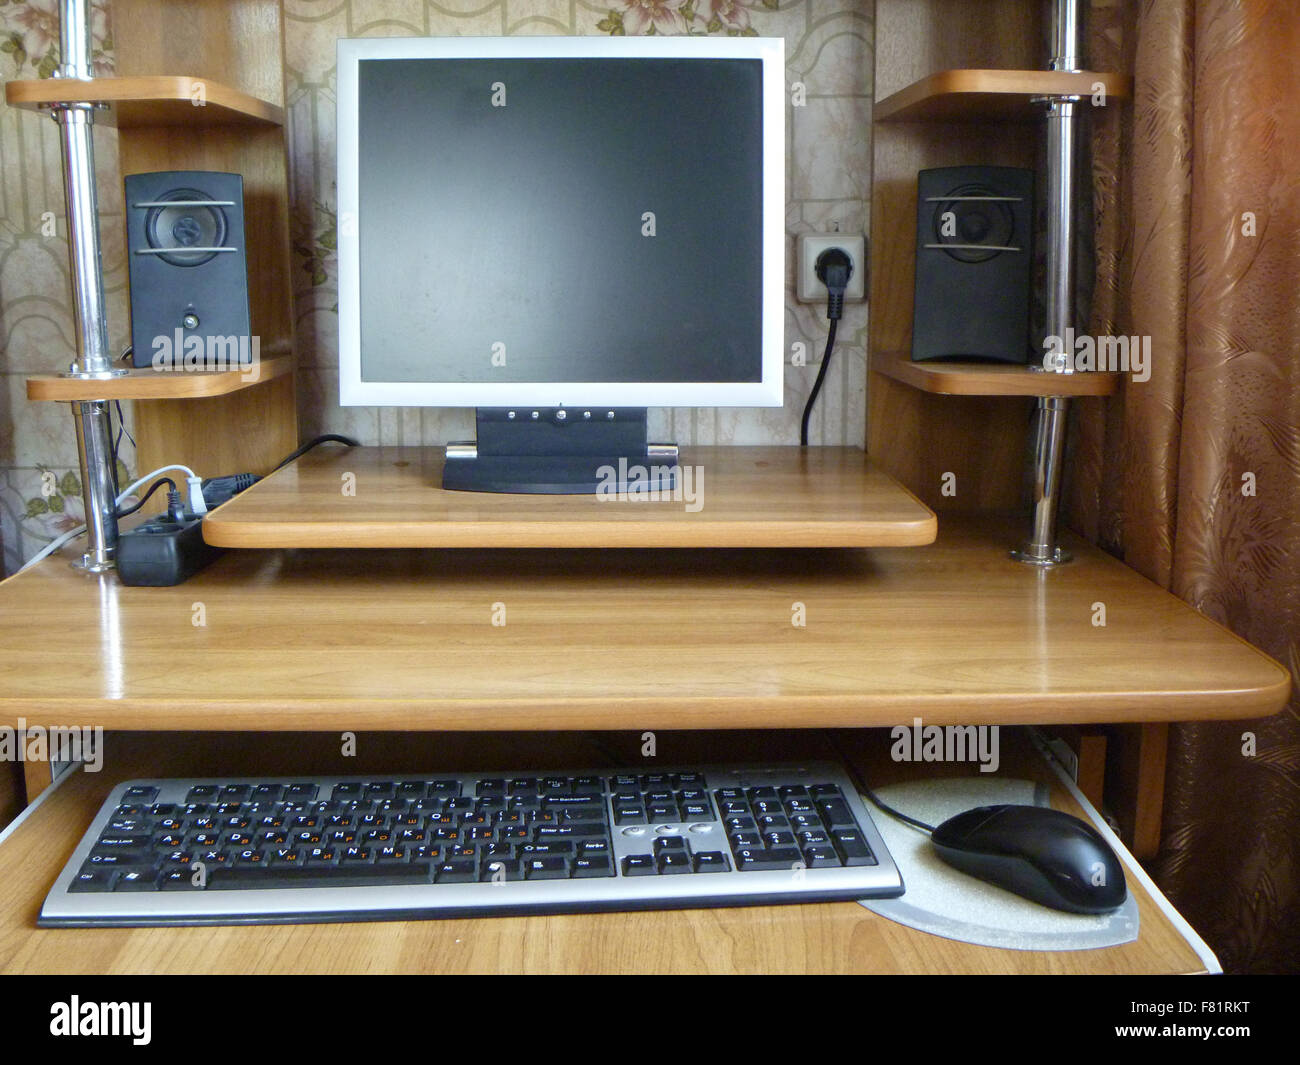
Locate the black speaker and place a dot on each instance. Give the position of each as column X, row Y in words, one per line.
column 188, row 269
column 974, row 263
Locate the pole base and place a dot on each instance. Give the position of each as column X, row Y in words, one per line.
column 101, row 375
column 1032, row 557
column 89, row 565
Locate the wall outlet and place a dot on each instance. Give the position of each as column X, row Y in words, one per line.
column 811, row 245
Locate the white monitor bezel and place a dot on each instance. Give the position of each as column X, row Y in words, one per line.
column 767, row 392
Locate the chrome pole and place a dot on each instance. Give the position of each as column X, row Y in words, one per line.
column 1062, row 153
column 90, row 325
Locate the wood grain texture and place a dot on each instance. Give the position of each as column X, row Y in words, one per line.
column 1136, row 759
column 158, row 100
column 248, row 431
column 153, row 384
column 1004, row 95
column 917, row 38
column 746, row 497
column 954, row 632
column 829, row 937
column 990, row 379
column 238, row 44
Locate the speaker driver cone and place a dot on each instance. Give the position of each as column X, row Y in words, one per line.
column 185, row 226
column 977, row 222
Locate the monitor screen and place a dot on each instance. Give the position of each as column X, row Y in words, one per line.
column 561, row 221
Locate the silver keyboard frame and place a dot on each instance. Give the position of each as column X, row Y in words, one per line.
column 423, row 901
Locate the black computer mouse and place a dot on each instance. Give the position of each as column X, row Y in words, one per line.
column 1043, row 854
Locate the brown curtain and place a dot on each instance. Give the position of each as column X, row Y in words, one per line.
column 1193, row 477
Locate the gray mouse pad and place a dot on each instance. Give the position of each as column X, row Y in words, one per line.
column 944, row 902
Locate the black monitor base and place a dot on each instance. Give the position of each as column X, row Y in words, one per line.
column 561, row 451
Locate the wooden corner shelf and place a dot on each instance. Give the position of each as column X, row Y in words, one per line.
column 156, row 384
column 990, row 379
column 991, row 95
column 153, row 100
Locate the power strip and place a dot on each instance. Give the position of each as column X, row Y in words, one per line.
column 163, row 552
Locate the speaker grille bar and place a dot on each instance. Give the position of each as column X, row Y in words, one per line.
column 185, row 203
column 182, row 249
column 973, row 247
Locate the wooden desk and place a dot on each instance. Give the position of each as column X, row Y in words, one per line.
column 830, row 937
column 368, row 640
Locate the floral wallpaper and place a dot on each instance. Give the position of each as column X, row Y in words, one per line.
column 828, row 50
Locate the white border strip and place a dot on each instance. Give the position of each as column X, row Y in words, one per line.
column 1197, row 944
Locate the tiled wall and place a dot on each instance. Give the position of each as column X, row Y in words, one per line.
column 828, row 49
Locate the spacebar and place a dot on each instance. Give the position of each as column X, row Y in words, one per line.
column 321, row 876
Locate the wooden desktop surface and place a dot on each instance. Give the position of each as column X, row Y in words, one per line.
column 335, row 639
column 738, row 497
column 826, row 937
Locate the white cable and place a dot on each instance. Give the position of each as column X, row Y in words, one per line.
column 196, row 495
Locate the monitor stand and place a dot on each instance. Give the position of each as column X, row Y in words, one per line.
column 561, row 451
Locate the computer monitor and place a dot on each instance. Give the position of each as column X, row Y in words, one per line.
column 560, row 232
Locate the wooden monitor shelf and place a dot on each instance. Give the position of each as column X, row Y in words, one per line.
column 749, row 497
column 152, row 100
column 991, row 95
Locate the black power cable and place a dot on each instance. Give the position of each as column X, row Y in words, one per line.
column 907, row 819
column 171, row 489
column 834, row 268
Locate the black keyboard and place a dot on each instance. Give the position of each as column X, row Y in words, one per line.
column 236, row 851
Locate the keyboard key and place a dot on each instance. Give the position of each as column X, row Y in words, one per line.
column 593, row 865
column 318, row 876
column 782, row 858
column 501, row 870
column 141, row 793
column 543, row 850
column 97, row 878
column 665, row 844
column 821, row 858
column 455, row 872
column 852, row 847
column 673, row 861
column 556, row 868
column 639, row 865
column 836, row 813
column 711, row 862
